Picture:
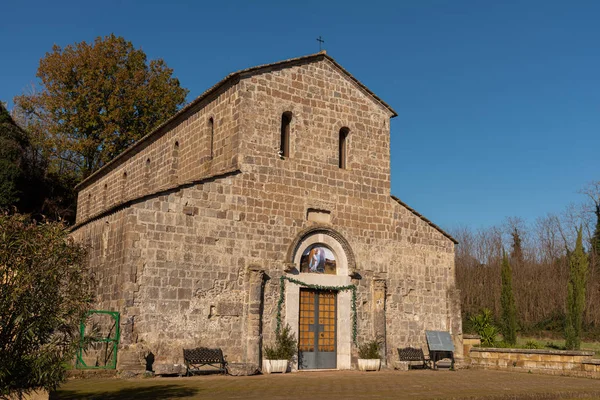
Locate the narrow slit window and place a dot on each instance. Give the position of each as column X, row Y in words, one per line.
column 174, row 162
column 104, row 195
column 284, row 146
column 147, row 175
column 124, row 186
column 343, row 147
column 88, row 205
column 211, row 128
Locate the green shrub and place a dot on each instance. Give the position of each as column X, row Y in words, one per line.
column 531, row 344
column 369, row 350
column 482, row 323
column 578, row 275
column 555, row 322
column 552, row 345
column 285, row 345
column 507, row 300
column 45, row 290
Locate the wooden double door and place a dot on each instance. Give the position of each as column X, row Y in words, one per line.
column 317, row 329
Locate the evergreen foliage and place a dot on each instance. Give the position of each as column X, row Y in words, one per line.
column 507, row 302
column 44, row 293
column 369, row 350
column 483, row 324
column 517, row 250
column 596, row 236
column 578, row 272
column 26, row 183
column 12, row 143
column 285, row 345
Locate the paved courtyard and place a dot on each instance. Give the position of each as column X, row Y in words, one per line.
column 416, row 384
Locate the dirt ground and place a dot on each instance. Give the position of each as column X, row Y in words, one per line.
column 415, row 384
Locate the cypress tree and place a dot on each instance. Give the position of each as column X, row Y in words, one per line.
column 596, row 236
column 578, row 271
column 12, row 142
column 517, row 251
column 507, row 301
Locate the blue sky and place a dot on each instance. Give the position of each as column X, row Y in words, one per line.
column 498, row 102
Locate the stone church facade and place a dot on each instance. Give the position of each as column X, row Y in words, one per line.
column 280, row 170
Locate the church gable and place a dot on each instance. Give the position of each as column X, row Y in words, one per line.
column 335, row 72
column 320, row 92
column 315, row 114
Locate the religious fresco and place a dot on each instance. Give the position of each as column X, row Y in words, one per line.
column 318, row 259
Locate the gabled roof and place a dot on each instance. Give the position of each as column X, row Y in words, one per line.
column 230, row 78
column 434, row 226
column 309, row 58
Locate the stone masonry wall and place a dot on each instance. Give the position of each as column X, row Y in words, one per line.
column 550, row 362
column 388, row 240
column 180, row 155
column 176, row 264
column 110, row 256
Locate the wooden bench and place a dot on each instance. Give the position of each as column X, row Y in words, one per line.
column 200, row 357
column 412, row 354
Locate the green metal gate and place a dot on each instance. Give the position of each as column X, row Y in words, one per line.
column 99, row 340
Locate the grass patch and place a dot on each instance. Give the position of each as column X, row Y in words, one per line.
column 558, row 344
column 528, row 342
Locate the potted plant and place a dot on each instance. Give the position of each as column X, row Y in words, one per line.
column 368, row 356
column 277, row 358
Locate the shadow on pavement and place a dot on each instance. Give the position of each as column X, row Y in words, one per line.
column 143, row 393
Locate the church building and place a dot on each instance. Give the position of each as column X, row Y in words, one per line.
column 264, row 202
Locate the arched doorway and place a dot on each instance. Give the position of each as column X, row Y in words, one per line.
column 320, row 315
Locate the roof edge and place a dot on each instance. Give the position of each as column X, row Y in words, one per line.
column 169, row 189
column 359, row 83
column 213, row 89
column 434, row 226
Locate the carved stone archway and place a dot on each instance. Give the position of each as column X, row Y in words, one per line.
column 315, row 230
column 346, row 265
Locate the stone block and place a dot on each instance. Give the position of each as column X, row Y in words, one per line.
column 401, row 365
column 169, row 369
column 187, row 210
column 242, row 369
column 230, row 309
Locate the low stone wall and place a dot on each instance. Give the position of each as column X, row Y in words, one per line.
column 553, row 362
column 469, row 341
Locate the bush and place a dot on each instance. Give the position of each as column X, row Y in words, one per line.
column 369, row 350
column 44, row 293
column 552, row 345
column 482, row 324
column 531, row 344
column 285, row 346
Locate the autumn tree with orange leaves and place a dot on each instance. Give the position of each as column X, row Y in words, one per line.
column 95, row 100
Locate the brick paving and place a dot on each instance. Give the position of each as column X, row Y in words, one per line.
column 462, row 384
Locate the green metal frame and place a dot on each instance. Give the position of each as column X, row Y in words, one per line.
column 80, row 364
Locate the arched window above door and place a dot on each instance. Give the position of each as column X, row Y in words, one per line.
column 336, row 252
column 319, row 259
